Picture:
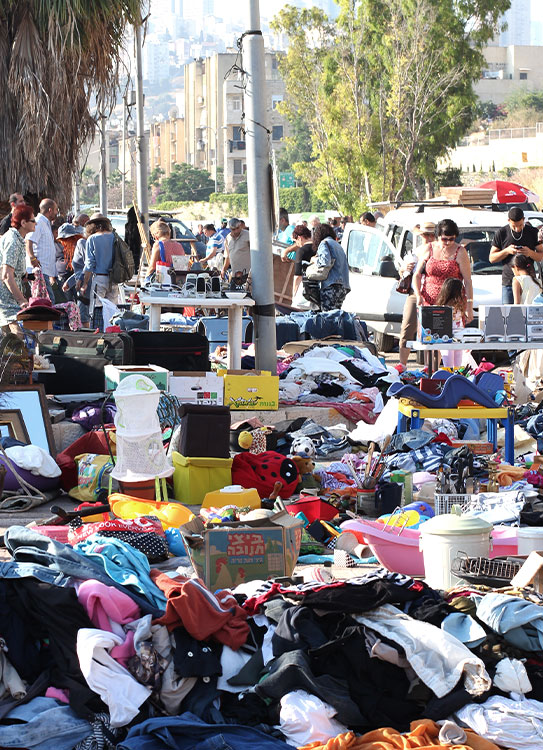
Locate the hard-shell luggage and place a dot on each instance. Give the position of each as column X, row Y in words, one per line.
column 176, row 351
column 79, row 358
column 215, row 328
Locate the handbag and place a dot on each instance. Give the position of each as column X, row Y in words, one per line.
column 404, row 285
column 314, row 272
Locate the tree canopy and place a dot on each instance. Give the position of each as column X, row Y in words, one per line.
column 54, row 56
column 186, row 183
column 384, row 90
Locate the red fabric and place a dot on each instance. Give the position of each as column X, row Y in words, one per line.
column 203, row 615
column 92, row 442
column 263, row 470
column 437, row 271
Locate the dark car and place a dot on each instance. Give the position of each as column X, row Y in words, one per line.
column 180, row 231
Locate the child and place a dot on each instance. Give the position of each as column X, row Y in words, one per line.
column 526, row 287
column 453, row 295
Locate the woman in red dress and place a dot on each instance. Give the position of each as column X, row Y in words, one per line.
column 444, row 259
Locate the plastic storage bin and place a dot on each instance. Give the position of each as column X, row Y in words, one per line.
column 530, row 538
column 233, row 495
column 194, row 477
column 443, row 538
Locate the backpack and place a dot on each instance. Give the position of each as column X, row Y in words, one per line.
column 123, row 267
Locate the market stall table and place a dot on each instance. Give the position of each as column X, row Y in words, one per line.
column 479, row 346
column 235, row 313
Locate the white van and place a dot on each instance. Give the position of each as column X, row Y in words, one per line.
column 374, row 258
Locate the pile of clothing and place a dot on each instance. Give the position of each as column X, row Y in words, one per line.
column 101, row 650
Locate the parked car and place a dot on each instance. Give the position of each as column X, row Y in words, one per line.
column 180, row 231
column 374, row 258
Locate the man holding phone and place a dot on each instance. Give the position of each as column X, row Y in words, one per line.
column 516, row 237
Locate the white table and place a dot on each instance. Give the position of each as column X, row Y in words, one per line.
column 235, row 313
column 479, row 346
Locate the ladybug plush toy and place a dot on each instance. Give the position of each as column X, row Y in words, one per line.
column 263, row 470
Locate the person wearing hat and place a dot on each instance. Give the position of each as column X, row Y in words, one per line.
column 423, row 234
column 237, row 249
column 516, row 237
column 224, row 231
column 13, row 262
column 98, row 263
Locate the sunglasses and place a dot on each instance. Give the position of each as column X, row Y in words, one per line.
column 447, row 239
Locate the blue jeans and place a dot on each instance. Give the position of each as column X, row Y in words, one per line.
column 507, row 295
column 188, row 732
column 44, row 724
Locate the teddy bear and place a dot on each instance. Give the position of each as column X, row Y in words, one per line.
column 306, row 468
column 302, row 446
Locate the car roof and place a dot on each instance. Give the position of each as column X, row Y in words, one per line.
column 463, row 216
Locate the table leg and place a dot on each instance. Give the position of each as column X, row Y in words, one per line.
column 154, row 317
column 235, row 314
column 510, row 437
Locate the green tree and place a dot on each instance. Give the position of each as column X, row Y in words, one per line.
column 114, row 178
column 186, row 183
column 384, row 91
column 155, row 176
column 55, row 56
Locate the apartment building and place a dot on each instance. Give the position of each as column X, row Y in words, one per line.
column 508, row 70
column 214, row 114
column 167, row 143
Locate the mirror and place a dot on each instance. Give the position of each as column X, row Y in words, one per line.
column 387, row 268
column 31, row 402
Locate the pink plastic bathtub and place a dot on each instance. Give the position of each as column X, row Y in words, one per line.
column 400, row 553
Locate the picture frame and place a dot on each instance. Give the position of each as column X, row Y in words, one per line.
column 13, row 425
column 31, row 401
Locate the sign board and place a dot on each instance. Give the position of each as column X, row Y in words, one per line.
column 287, row 180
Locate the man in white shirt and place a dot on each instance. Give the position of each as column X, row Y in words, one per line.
column 237, row 249
column 43, row 243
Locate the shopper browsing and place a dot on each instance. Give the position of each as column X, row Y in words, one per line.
column 525, row 285
column 452, row 295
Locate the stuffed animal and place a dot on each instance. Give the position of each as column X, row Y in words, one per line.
column 302, row 446
column 306, row 468
column 262, row 471
column 255, row 441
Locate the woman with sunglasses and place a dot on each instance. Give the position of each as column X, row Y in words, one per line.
column 13, row 263
column 443, row 259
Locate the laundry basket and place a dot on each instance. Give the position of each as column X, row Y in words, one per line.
column 444, row 503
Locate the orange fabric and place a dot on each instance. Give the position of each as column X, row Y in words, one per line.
column 423, row 735
column 68, row 244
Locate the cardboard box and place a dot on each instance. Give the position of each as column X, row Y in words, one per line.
column 225, row 556
column 115, row 373
column 251, row 389
column 435, row 324
column 477, row 447
column 204, row 388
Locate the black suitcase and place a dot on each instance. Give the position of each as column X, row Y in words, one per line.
column 175, row 351
column 79, row 358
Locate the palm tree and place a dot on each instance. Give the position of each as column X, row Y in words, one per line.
column 55, row 55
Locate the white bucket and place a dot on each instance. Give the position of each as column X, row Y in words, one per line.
column 444, row 538
column 530, row 539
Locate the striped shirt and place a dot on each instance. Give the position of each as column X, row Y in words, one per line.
column 44, row 245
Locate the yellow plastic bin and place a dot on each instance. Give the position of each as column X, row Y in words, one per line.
column 193, row 477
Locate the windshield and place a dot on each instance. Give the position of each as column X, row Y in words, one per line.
column 180, row 230
column 478, row 243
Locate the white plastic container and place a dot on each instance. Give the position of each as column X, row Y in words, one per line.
column 443, row 538
column 530, row 539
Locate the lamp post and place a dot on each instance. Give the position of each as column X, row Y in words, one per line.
column 213, row 130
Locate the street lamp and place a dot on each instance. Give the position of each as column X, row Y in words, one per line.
column 208, row 127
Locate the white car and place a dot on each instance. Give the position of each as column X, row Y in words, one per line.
column 374, row 258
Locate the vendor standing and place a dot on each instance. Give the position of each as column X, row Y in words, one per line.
column 237, row 249
column 98, row 263
column 516, row 237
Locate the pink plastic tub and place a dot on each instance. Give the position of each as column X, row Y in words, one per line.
column 400, row 553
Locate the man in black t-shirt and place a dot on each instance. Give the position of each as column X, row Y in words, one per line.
column 516, row 237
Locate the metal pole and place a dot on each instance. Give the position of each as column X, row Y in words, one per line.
column 103, row 166
column 123, row 171
column 142, row 159
column 259, row 196
column 216, row 156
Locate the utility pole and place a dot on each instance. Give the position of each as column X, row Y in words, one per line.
column 142, row 158
column 259, row 194
column 123, row 171
column 103, row 166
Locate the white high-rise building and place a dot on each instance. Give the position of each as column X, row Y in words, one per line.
column 518, row 20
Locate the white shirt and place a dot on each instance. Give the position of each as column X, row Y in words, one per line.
column 44, row 243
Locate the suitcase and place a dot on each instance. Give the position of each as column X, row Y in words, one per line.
column 79, row 358
column 173, row 350
column 215, row 328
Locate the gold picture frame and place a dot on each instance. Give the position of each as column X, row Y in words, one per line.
column 13, row 425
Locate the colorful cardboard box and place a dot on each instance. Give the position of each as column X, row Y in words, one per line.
column 204, row 388
column 115, row 373
column 256, row 390
column 225, row 556
column 435, row 324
